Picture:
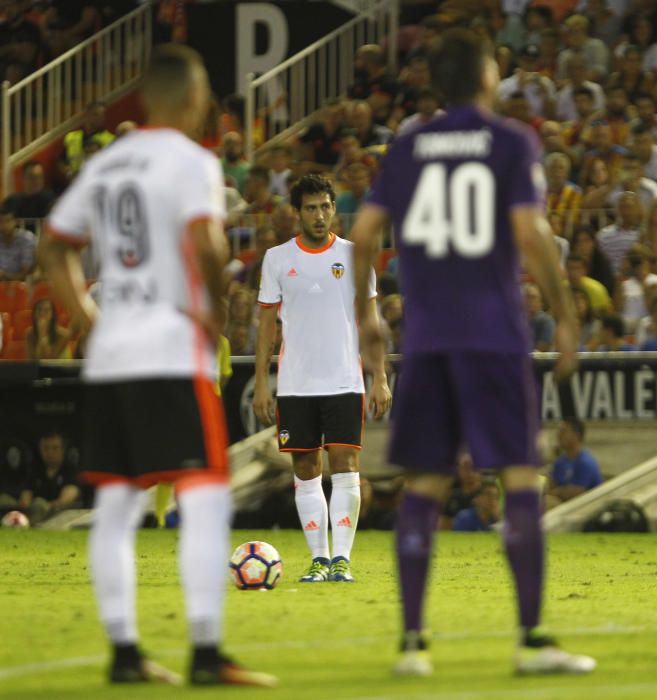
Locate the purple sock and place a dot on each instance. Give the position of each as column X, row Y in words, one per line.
column 416, row 522
column 523, row 539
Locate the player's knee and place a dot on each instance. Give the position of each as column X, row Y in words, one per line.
column 521, row 478
column 343, row 459
column 434, row 486
column 307, row 465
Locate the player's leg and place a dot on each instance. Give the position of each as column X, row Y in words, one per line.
column 425, row 437
column 342, row 426
column 299, row 433
column 500, row 423
column 344, row 508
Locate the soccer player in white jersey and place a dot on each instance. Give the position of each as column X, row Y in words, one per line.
column 153, row 206
column 320, row 393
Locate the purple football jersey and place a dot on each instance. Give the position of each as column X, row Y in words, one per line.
column 449, row 188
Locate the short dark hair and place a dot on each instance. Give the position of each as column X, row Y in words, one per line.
column 259, row 172
column 457, row 61
column 583, row 90
column 614, row 323
column 576, row 425
column 310, row 184
column 8, row 207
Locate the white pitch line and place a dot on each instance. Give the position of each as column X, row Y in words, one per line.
column 81, row 661
column 549, row 692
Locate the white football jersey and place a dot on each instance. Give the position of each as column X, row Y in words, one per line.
column 137, row 199
column 316, row 292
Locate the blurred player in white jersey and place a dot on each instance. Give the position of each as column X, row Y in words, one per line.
column 153, row 205
column 321, row 402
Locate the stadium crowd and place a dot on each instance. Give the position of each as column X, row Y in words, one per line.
column 581, row 73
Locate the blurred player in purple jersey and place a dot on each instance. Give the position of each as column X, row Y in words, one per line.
column 465, row 194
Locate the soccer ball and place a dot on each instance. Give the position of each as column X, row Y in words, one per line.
column 14, row 518
column 255, row 566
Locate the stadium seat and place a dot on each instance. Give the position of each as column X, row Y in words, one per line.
column 6, row 328
column 21, row 321
column 15, row 350
column 41, row 290
column 14, row 296
column 384, row 258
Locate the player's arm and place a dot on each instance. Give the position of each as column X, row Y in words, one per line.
column 380, row 396
column 68, row 495
column 263, row 402
column 535, row 241
column 60, row 261
column 211, row 250
column 568, row 492
column 364, row 234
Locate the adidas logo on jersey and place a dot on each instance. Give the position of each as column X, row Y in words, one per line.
column 312, row 525
column 345, row 522
column 292, row 272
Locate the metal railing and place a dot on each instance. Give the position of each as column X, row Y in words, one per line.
column 51, row 101
column 284, row 96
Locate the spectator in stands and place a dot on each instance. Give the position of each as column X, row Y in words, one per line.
column 643, row 144
column 240, row 338
column 257, row 193
column 17, row 246
column 612, row 335
column 640, row 32
column 35, row 199
column 579, row 44
column 576, row 470
column 646, row 115
column 371, row 73
column 558, row 226
column 357, row 181
column 617, row 238
column 367, row 132
column 538, row 89
column 630, row 77
column 603, row 148
column 597, row 265
column 596, row 185
column 549, row 45
column 284, row 222
column 577, row 133
column 428, row 29
column 68, row 22
column 605, row 24
column 598, row 296
column 467, row 484
column 589, row 325
column 21, row 46
column 46, row 340
column 552, row 136
column 352, row 152
column 617, row 115
column 564, row 196
column 646, row 330
column 125, row 127
column 517, row 107
column 427, row 109
column 234, row 164
column 541, row 324
column 279, row 170
column 14, row 475
column 265, row 238
column 319, row 144
column 93, row 128
column 649, row 232
column 631, row 179
column 537, row 20
column 565, row 104
column 413, row 78
column 484, row 512
column 53, row 485
column 638, row 284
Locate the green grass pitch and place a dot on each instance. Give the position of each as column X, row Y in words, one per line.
column 337, row 641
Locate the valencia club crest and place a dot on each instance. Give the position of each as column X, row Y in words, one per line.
column 338, row 270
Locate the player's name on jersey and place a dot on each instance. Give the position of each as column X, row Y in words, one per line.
column 142, row 291
column 453, row 143
column 123, row 163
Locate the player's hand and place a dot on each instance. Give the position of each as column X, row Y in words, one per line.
column 372, row 343
column 566, row 345
column 380, row 398
column 263, row 404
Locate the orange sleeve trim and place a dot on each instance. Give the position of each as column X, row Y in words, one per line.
column 264, row 305
column 315, row 251
column 66, row 237
column 199, row 478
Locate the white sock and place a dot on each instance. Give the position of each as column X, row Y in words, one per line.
column 313, row 514
column 205, row 513
column 344, row 509
column 119, row 508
